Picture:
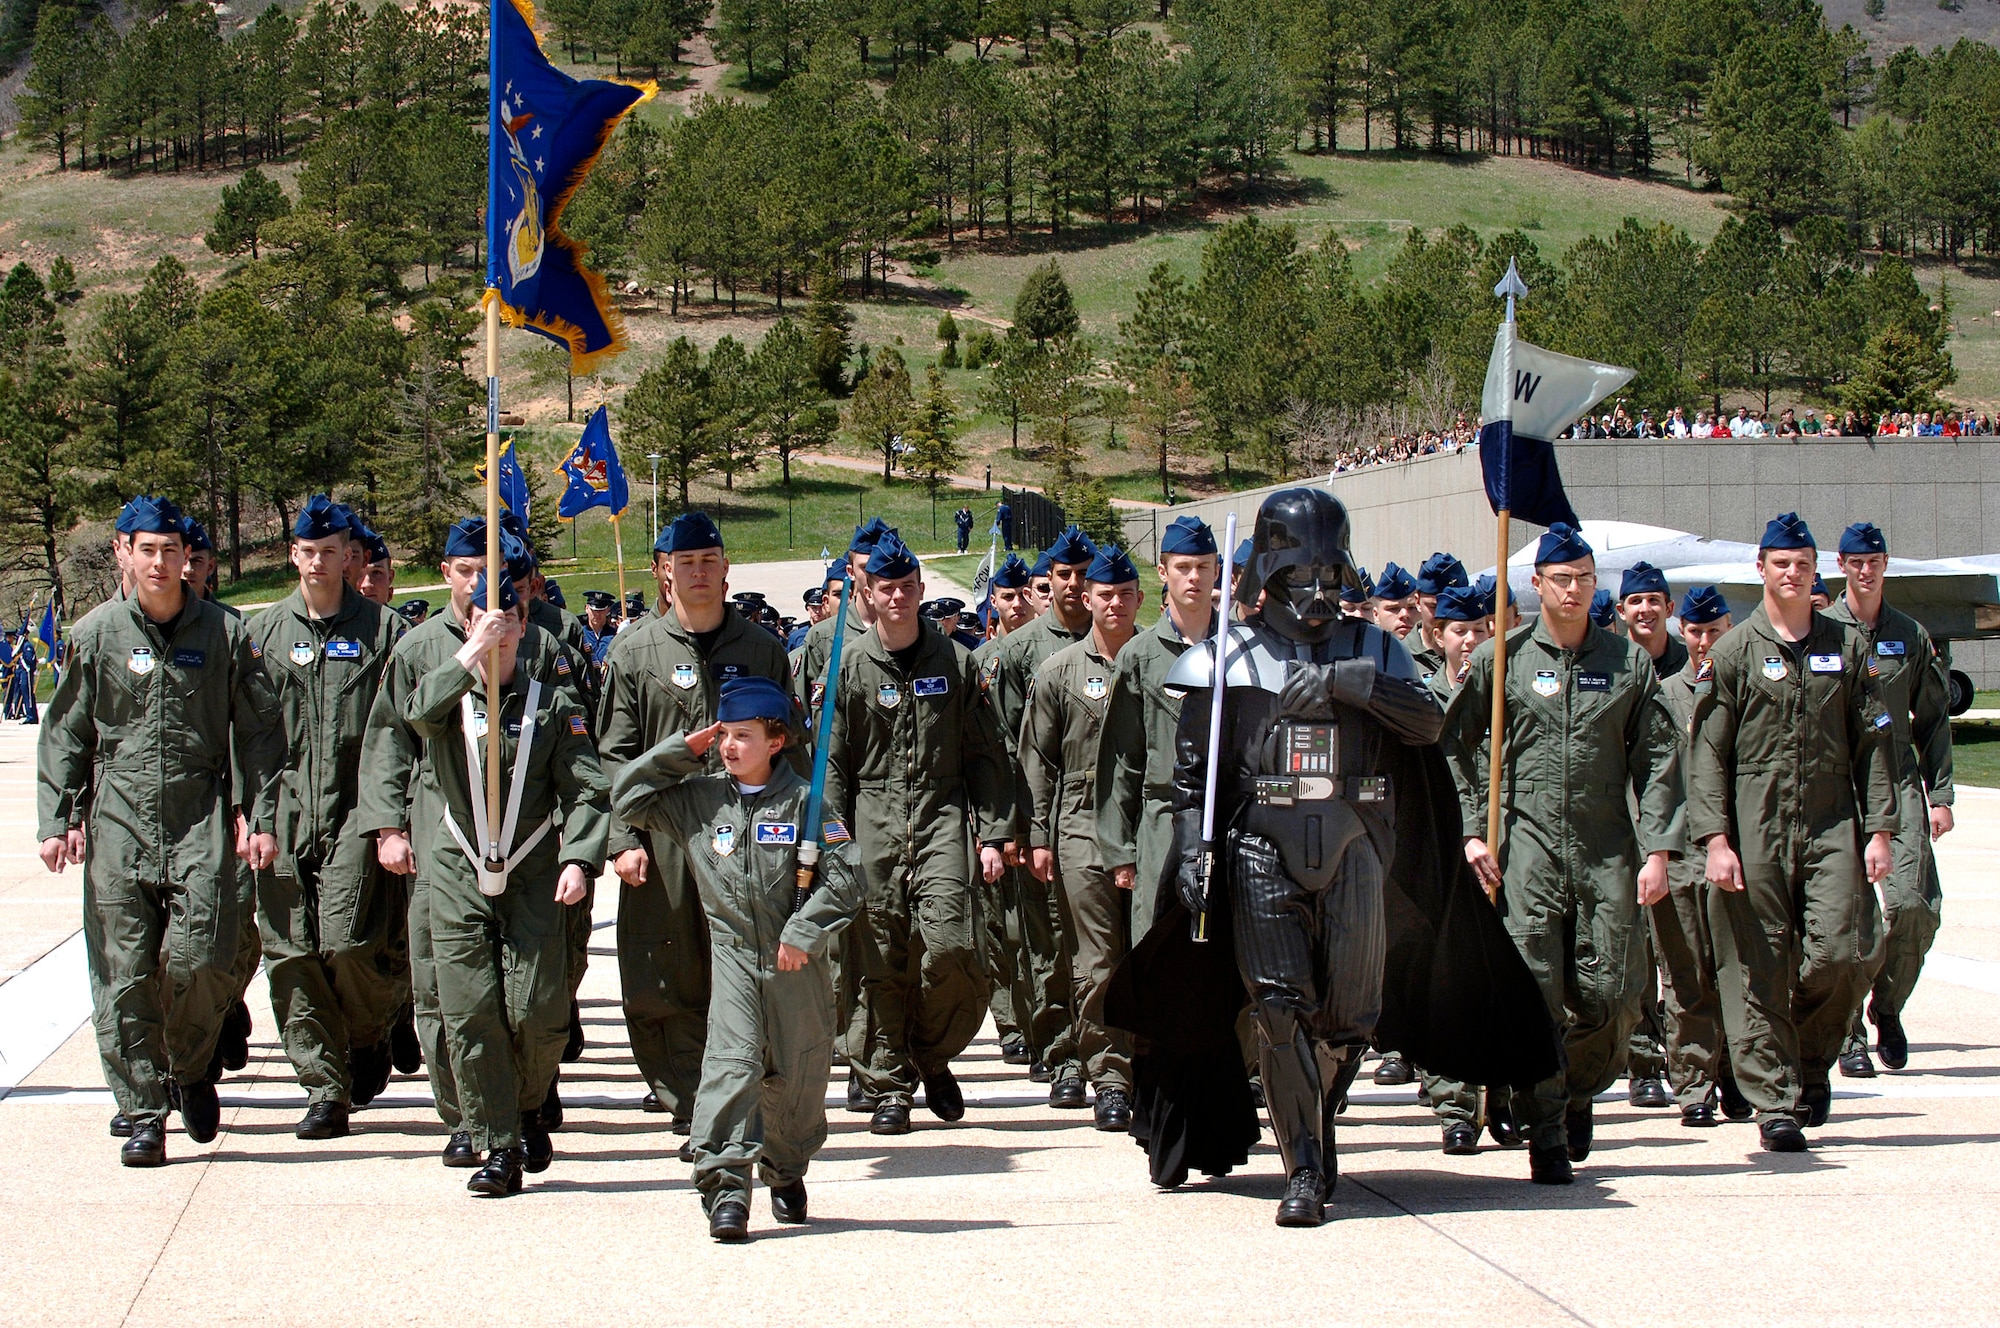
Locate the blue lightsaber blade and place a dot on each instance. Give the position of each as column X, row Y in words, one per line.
column 815, row 832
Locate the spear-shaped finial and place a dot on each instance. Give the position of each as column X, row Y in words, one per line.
column 1511, row 286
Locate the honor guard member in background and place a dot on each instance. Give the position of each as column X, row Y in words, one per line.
column 497, row 927
column 1003, row 517
column 1789, row 772
column 1305, row 874
column 1909, row 681
column 1135, row 761
column 1009, row 967
column 414, row 611
column 913, row 762
column 335, row 938
column 378, row 571
column 1060, row 739
column 158, row 765
column 399, row 805
column 1440, row 572
column 1697, row 1063
column 600, row 627
column 1644, row 606
column 664, row 679
column 762, row 1101
column 1462, row 621
column 962, row 519
column 635, row 603
column 1064, row 620
column 1586, row 730
column 1822, row 598
column 1356, row 601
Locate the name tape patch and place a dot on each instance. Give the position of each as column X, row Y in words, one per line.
column 777, row 832
column 1824, row 663
column 1593, row 682
column 190, row 659
column 930, row 686
column 343, row 650
column 1889, row 649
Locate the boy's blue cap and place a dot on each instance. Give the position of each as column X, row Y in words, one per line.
column 1819, row 586
column 687, row 532
column 1111, row 567
column 868, row 534
column 1864, row 537
column 1187, row 534
column 1786, row 531
column 1643, row 579
column 1486, row 586
column 891, row 560
column 1440, row 573
column 1241, row 558
column 1563, row 544
column 508, row 599
column 467, row 538
column 754, row 697
column 1703, row 604
column 1041, row 567
column 835, row 572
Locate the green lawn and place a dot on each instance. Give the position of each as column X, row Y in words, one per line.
column 1975, row 752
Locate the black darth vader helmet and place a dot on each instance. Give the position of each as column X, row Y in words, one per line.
column 1300, row 561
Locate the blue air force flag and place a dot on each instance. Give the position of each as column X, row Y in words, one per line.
column 596, row 479
column 1531, row 396
column 513, row 484
column 546, row 131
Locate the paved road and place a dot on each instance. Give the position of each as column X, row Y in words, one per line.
column 1018, row 1215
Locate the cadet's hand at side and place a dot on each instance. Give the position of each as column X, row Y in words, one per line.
column 790, row 958
column 1653, row 880
column 1484, row 865
column 631, row 866
column 1124, row 877
column 990, row 865
column 1876, row 857
column 259, row 850
column 1941, row 822
column 1011, row 854
column 60, row 851
column 571, row 885
column 392, row 850
column 1725, row 869
column 1042, row 863
column 701, row 740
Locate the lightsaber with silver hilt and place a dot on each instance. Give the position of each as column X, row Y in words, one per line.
column 810, row 840
column 1216, row 693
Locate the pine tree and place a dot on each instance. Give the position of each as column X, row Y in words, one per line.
column 880, row 411
column 246, row 206
column 1044, row 309
column 668, row 411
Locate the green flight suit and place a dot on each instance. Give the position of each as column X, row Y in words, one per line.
column 334, row 923
column 914, row 764
column 808, row 664
column 1013, row 667
column 1646, row 1049
column 1692, row 1023
column 1008, row 966
column 1585, row 727
column 1135, row 765
column 1454, row 1101
column 251, row 951
column 1059, row 753
column 573, row 636
column 155, row 738
column 658, row 683
column 1910, row 681
column 1789, row 759
column 502, row 961
column 762, row 1101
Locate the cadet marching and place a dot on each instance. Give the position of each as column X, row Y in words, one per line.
column 1714, row 878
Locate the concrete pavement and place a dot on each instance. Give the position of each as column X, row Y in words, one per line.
column 1018, row 1215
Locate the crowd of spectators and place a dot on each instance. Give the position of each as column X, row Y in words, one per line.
column 1748, row 423
column 1407, row 447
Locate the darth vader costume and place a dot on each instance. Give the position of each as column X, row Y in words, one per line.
column 1340, row 909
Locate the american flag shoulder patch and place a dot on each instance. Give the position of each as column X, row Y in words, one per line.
column 256, row 651
column 576, row 725
column 834, row 832
column 1874, row 669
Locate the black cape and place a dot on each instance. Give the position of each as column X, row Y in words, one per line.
column 1457, row 998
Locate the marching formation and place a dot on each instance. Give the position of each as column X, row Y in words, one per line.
column 1184, row 888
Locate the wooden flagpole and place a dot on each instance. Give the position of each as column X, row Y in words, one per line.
column 495, row 569
column 1510, row 286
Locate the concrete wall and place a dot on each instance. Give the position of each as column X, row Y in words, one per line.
column 1936, row 498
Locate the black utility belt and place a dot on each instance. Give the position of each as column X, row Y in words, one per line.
column 1288, row 790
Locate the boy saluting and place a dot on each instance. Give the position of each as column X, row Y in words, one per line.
column 770, row 1014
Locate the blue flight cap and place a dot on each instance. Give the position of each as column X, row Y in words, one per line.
column 1013, row 574
column 1111, row 567
column 687, row 532
column 147, row 515
column 508, row 599
column 1563, row 544
column 1486, row 586
column 378, row 548
column 195, row 535
column 891, row 560
column 1241, row 558
column 1357, row 593
column 1440, row 573
column 519, row 557
column 1786, row 531
column 553, row 594
column 319, row 519
column 1864, row 537
column 345, row 515
column 754, row 697
column 1643, row 579
column 868, row 534
column 1187, row 534
column 1603, row 609
column 1041, row 567
column 467, row 538
column 835, row 572
column 1395, row 583
column 1703, row 604
column 1461, row 604
column 1072, row 546
column 1819, row 586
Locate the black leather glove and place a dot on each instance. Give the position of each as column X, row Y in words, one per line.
column 1188, row 879
column 1310, row 691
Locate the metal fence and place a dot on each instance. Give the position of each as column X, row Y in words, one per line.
column 1038, row 520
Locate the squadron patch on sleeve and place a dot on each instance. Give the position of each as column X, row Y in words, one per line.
column 1706, row 673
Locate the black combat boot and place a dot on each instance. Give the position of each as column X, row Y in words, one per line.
column 323, row 1120
column 1304, row 1204
column 147, row 1147
column 500, row 1177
